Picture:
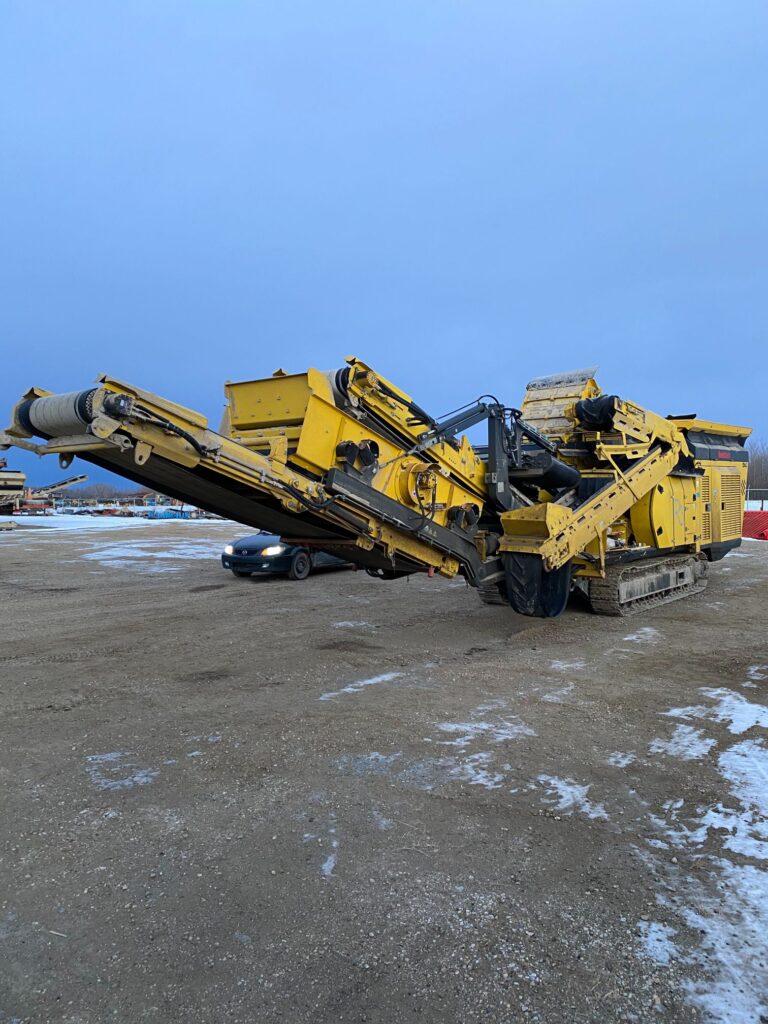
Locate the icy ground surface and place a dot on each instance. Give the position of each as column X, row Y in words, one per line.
column 88, row 524
column 150, row 546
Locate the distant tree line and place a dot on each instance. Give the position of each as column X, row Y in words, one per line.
column 758, row 464
column 100, row 492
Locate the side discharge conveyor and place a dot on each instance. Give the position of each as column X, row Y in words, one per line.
column 574, row 490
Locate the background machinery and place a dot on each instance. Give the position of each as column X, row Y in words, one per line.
column 574, row 489
column 12, row 483
column 48, row 490
column 41, row 499
column 15, row 496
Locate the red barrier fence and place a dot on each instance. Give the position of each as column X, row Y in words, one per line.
column 755, row 525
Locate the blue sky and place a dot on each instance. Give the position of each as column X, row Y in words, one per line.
column 465, row 195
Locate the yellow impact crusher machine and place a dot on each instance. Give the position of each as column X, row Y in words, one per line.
column 575, row 489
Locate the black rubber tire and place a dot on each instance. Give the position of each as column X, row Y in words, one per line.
column 301, row 566
column 531, row 590
column 241, row 574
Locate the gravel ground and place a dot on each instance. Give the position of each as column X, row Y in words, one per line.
column 348, row 800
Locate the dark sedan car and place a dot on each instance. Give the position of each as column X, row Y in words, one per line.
column 265, row 554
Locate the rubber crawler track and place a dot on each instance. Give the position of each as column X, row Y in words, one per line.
column 604, row 594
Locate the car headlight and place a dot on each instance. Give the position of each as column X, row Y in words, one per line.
column 229, row 549
column 275, row 549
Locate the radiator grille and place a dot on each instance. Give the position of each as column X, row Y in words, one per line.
column 732, row 512
column 706, row 514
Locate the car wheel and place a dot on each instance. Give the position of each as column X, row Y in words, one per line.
column 300, row 566
column 240, row 573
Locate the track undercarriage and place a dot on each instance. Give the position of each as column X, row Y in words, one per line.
column 625, row 588
column 645, row 584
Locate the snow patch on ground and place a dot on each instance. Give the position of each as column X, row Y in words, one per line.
column 427, row 773
column 685, row 742
column 141, row 555
column 731, row 708
column 361, row 684
column 755, row 674
column 656, row 941
column 108, row 771
column 567, row 666
column 742, row 829
column 430, row 772
column 328, row 867
column 723, row 903
column 745, row 766
column 644, row 635
column 558, row 696
column 618, row 759
column 496, row 732
column 328, row 841
column 476, row 770
column 490, row 705
column 732, row 928
column 571, row 796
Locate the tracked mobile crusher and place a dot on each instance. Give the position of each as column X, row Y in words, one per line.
column 574, row 489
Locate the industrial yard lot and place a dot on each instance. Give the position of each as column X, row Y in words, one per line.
column 258, row 801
